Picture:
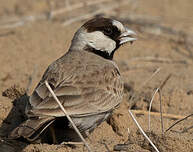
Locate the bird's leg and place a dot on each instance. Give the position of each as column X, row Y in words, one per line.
column 53, row 134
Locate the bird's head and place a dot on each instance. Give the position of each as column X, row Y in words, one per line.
column 102, row 36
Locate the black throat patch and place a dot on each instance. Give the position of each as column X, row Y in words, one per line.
column 101, row 53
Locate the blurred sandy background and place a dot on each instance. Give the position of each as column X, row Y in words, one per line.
column 35, row 33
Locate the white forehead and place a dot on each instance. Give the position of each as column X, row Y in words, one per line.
column 119, row 25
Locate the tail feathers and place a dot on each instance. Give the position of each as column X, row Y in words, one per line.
column 31, row 128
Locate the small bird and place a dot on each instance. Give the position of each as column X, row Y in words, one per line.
column 86, row 80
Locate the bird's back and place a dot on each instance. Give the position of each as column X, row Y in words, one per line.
column 84, row 82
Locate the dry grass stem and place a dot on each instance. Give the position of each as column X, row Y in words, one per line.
column 165, row 81
column 72, row 143
column 159, row 91
column 150, row 105
column 144, row 134
column 157, row 114
column 68, row 117
column 158, row 69
column 161, row 115
column 182, row 119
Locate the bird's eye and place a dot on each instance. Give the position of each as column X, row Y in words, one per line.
column 108, row 31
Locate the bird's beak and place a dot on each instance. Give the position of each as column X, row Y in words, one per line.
column 127, row 36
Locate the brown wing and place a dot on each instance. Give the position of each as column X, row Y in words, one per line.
column 85, row 89
column 31, row 128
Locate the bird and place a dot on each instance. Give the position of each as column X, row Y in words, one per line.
column 86, row 80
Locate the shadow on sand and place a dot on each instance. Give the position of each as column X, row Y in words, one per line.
column 14, row 118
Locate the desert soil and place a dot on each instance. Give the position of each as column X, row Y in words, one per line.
column 27, row 50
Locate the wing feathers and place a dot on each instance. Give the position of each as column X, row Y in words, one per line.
column 92, row 90
column 29, row 128
column 42, row 91
column 67, row 90
column 66, row 101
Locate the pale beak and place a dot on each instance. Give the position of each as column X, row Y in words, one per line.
column 127, row 36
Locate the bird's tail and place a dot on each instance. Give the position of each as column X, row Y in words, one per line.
column 32, row 128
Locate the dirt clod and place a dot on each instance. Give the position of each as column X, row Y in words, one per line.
column 14, row 92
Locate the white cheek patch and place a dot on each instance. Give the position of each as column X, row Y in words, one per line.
column 99, row 41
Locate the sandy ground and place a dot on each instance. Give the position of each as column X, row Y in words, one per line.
column 27, row 51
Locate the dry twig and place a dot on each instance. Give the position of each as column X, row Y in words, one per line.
column 179, row 122
column 72, row 143
column 150, row 105
column 159, row 91
column 157, row 114
column 161, row 115
column 144, row 134
column 68, row 117
column 157, row 70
